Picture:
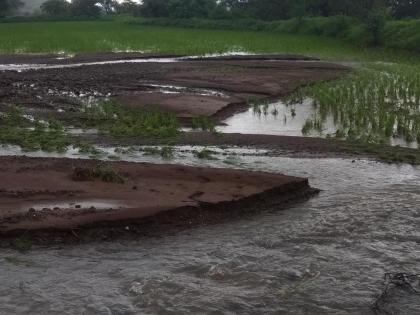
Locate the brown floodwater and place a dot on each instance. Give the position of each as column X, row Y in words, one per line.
column 327, row 255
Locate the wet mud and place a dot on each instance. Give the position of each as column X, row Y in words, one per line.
column 42, row 194
column 47, row 194
column 142, row 81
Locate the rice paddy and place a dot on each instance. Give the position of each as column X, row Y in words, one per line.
column 373, row 105
column 119, row 35
column 378, row 103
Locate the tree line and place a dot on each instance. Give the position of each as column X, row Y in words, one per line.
column 224, row 9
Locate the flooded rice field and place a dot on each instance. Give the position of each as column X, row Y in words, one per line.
column 327, row 255
column 283, row 119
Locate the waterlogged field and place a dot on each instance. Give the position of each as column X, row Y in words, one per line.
column 96, row 36
column 373, row 105
column 379, row 102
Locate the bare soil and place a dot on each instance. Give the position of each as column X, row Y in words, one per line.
column 145, row 84
column 45, row 193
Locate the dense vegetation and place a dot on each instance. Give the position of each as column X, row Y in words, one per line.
column 373, row 105
column 365, row 22
column 256, row 9
column 73, row 37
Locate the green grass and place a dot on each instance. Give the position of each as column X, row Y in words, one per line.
column 97, row 36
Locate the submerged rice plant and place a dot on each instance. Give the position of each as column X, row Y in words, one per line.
column 371, row 105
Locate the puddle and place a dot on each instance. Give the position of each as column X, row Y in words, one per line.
column 75, row 205
column 173, row 89
column 275, row 119
column 81, row 131
column 25, row 67
column 283, row 119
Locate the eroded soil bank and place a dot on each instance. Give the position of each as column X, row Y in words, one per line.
column 46, row 193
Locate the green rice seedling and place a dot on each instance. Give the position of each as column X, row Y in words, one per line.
column 32, row 135
column 265, row 108
column 107, row 174
column 102, row 172
column 151, row 151
column 203, row 123
column 372, row 104
column 164, row 152
column 275, row 112
column 167, row 152
column 110, row 118
column 307, row 127
column 87, row 148
column 205, row 154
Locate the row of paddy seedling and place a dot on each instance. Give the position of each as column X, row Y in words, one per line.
column 370, row 105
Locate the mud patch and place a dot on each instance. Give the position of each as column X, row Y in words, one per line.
column 148, row 190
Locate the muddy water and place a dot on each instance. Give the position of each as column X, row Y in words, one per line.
column 326, row 256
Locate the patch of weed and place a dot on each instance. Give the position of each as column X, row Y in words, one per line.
column 32, row 135
column 109, row 118
column 101, row 172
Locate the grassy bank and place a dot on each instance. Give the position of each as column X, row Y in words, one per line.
column 97, row 36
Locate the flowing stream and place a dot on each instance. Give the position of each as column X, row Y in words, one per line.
column 327, row 255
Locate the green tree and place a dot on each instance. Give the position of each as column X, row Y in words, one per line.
column 155, row 8
column 405, row 8
column 56, row 7
column 127, row 7
column 109, row 6
column 8, row 7
column 85, row 8
column 191, row 8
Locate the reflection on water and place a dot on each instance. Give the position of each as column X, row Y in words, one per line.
column 277, row 118
column 282, row 118
column 325, row 256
